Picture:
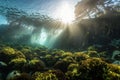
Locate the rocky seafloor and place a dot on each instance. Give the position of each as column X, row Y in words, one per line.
column 23, row 62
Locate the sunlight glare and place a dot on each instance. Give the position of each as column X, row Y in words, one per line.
column 65, row 13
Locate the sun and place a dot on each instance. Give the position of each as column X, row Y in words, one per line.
column 65, row 13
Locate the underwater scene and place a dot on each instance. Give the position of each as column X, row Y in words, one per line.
column 59, row 39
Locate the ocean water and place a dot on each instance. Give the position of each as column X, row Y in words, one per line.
column 35, row 45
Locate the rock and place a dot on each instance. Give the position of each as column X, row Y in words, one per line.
column 2, row 64
column 12, row 74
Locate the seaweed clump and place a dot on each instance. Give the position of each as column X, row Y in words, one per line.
column 57, row 64
column 17, row 63
column 8, row 53
column 44, row 76
column 36, row 65
column 93, row 69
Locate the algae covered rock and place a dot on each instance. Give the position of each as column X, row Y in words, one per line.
column 59, row 74
column 17, row 63
column 50, row 60
column 66, row 54
column 44, row 76
column 36, row 65
column 114, row 68
column 61, row 65
column 93, row 68
column 93, row 54
column 69, row 59
column 114, row 72
column 73, row 67
column 78, row 56
column 57, row 52
column 8, row 53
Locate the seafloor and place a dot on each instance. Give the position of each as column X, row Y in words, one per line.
column 24, row 62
